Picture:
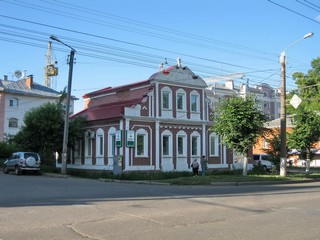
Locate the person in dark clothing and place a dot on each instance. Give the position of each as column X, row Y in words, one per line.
column 195, row 167
column 204, row 162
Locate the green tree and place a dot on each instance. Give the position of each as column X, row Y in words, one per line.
column 305, row 133
column 42, row 131
column 308, row 85
column 239, row 122
column 6, row 149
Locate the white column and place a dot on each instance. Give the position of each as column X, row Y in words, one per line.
column 127, row 159
column 157, row 145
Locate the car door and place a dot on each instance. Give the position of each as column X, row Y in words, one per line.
column 11, row 161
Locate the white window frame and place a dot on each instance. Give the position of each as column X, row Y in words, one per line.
column 112, row 149
column 168, row 134
column 13, row 102
column 168, row 91
column 182, row 93
column 144, row 133
column 100, row 142
column 265, row 144
column 88, row 145
column 197, row 136
column 14, row 122
column 214, row 139
column 183, row 135
column 197, row 95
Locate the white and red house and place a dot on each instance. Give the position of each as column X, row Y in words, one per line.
column 160, row 124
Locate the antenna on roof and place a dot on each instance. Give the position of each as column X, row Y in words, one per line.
column 162, row 64
column 178, row 62
column 18, row 74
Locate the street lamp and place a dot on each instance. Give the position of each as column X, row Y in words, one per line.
column 66, row 120
column 283, row 114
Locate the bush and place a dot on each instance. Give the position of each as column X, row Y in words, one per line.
column 258, row 169
column 6, row 149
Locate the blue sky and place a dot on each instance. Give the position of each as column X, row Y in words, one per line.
column 121, row 41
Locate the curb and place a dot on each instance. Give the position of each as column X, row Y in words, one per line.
column 262, row 182
column 132, row 182
column 55, row 175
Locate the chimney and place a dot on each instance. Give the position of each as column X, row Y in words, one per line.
column 5, row 77
column 29, row 81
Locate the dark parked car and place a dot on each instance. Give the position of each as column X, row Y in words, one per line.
column 20, row 162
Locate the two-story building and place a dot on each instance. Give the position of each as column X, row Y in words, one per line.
column 160, row 124
column 18, row 97
column 268, row 98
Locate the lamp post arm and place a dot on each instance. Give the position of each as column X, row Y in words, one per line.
column 58, row 40
column 299, row 40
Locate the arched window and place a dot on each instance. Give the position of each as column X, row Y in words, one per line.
column 166, row 143
column 181, row 143
column 112, row 142
column 194, row 101
column 181, row 100
column 166, row 98
column 142, row 139
column 100, row 142
column 214, row 143
column 13, row 123
column 195, row 144
column 89, row 135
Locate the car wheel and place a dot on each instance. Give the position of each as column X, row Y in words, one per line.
column 17, row 170
column 5, row 169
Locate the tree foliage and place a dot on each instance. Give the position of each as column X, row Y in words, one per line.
column 6, row 149
column 43, row 128
column 239, row 122
column 308, row 85
column 306, row 131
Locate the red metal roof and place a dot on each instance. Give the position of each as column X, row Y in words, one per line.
column 108, row 111
column 116, row 89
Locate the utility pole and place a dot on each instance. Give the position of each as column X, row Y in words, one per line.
column 283, row 118
column 66, row 121
column 283, row 110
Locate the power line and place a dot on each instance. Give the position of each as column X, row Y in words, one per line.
column 293, row 11
column 82, row 10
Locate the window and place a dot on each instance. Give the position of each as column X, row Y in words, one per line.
column 112, row 149
column 265, row 144
column 194, row 144
column 89, row 146
column 194, row 103
column 13, row 122
column 166, row 138
column 13, row 102
column 180, row 145
column 214, row 144
column 165, row 145
column 113, row 144
column 141, row 146
column 100, row 142
column 181, row 100
column 165, row 100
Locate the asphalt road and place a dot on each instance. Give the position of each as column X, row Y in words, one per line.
column 42, row 207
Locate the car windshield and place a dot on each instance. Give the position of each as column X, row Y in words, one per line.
column 26, row 155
